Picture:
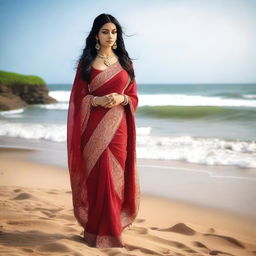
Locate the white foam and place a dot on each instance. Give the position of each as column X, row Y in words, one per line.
column 153, row 100
column 191, row 100
column 175, row 100
column 52, row 132
column 250, row 96
column 61, row 96
column 143, row 130
column 54, row 106
column 12, row 112
column 209, row 151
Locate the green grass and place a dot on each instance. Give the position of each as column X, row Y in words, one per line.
column 9, row 78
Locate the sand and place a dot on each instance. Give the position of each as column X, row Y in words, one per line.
column 36, row 218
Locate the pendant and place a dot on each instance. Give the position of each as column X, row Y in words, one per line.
column 106, row 62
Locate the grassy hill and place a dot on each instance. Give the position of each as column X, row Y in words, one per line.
column 18, row 90
column 15, row 78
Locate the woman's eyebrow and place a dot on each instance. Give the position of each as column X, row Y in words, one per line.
column 108, row 29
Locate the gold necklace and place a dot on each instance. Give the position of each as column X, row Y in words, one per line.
column 106, row 58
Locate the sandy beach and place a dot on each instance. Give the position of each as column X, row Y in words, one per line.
column 37, row 215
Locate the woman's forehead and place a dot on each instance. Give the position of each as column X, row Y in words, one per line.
column 109, row 26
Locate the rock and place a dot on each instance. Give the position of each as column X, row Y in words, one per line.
column 17, row 91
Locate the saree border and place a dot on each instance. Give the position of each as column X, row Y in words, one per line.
column 101, row 137
column 117, row 176
column 104, row 76
column 126, row 217
column 85, row 110
column 103, row 241
column 127, row 83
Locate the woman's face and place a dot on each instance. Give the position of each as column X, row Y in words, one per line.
column 107, row 34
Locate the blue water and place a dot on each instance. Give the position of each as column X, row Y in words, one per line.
column 201, row 123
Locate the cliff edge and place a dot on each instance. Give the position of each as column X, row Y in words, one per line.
column 17, row 91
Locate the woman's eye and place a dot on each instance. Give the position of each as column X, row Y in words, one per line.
column 105, row 32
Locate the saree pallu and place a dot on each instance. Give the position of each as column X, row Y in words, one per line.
column 101, row 148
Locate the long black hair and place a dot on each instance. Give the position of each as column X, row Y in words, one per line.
column 90, row 52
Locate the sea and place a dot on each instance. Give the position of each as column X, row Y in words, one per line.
column 208, row 124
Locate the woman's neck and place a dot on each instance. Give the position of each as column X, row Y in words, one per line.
column 106, row 51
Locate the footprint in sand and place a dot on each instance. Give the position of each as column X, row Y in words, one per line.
column 180, row 228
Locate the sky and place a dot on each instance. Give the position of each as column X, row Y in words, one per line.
column 172, row 41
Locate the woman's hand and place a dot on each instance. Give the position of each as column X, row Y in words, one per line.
column 113, row 99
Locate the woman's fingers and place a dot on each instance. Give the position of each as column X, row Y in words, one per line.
column 110, row 100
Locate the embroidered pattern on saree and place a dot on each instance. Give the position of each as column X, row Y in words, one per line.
column 85, row 110
column 102, row 136
column 126, row 217
column 103, row 241
column 128, row 82
column 117, row 175
column 104, row 76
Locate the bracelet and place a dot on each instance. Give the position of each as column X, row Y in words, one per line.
column 93, row 101
column 126, row 100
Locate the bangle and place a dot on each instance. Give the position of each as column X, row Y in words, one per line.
column 93, row 101
column 126, row 100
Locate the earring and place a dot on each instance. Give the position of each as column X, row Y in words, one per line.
column 97, row 46
column 114, row 46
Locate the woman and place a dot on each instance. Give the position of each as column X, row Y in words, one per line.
column 101, row 137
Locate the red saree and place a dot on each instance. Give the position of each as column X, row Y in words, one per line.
column 101, row 148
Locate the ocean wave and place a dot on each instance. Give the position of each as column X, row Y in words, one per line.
column 53, row 106
column 192, row 100
column 163, row 105
column 249, row 96
column 61, row 96
column 208, row 151
column 180, row 99
column 230, row 95
column 195, row 112
column 12, row 112
column 234, row 95
column 51, row 132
